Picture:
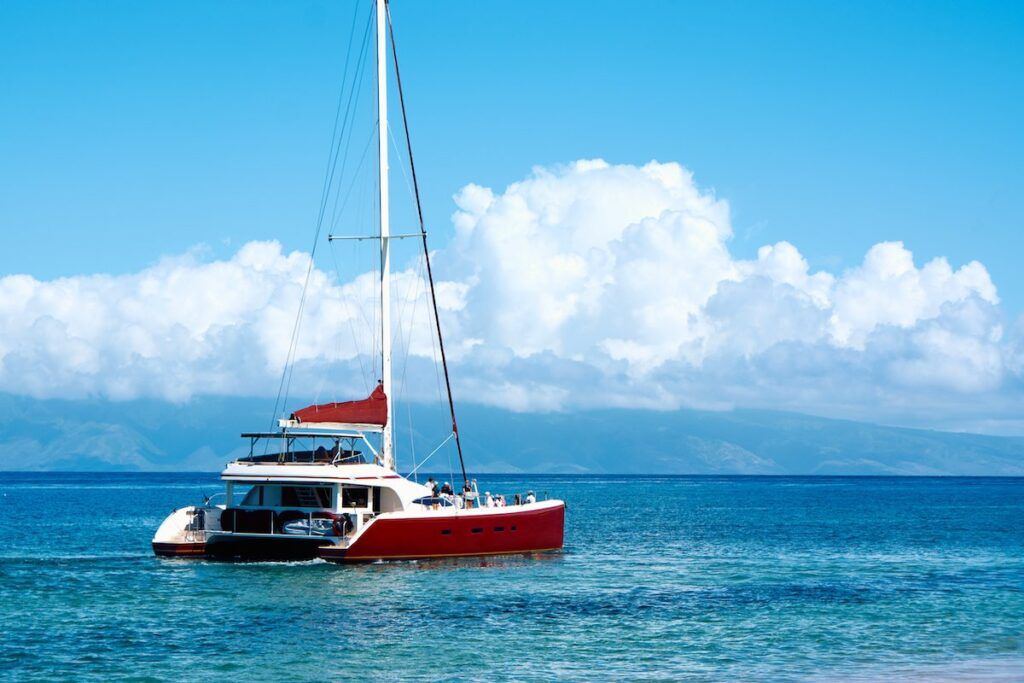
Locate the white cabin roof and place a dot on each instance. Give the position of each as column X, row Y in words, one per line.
column 360, row 473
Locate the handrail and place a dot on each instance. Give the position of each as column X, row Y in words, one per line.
column 209, row 499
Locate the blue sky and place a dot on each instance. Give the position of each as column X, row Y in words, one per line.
column 132, row 130
column 833, row 131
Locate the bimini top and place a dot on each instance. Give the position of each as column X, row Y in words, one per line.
column 369, row 411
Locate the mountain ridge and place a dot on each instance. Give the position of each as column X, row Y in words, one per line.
column 151, row 435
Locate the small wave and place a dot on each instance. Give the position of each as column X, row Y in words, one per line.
column 995, row 670
column 49, row 559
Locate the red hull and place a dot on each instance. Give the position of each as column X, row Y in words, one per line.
column 505, row 533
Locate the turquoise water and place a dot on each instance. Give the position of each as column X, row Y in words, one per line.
column 702, row 578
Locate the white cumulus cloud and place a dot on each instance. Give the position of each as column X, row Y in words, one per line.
column 621, row 276
column 584, row 285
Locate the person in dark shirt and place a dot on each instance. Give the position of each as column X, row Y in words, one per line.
column 447, row 490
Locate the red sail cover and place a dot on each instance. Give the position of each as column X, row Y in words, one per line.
column 372, row 410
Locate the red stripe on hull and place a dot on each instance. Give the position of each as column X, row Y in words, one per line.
column 456, row 536
column 179, row 549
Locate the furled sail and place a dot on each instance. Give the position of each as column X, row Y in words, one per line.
column 372, row 410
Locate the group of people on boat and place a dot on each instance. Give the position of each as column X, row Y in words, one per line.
column 470, row 496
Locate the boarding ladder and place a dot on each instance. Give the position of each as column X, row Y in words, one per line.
column 307, row 497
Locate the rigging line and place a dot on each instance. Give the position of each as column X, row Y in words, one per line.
column 356, row 300
column 336, row 211
column 341, row 96
column 426, row 250
column 437, row 375
column 378, row 266
column 367, row 380
column 345, row 120
column 352, row 328
column 410, row 296
column 360, row 210
column 328, row 183
column 404, row 368
column 320, row 388
column 405, row 333
column 415, row 299
column 408, row 344
column 424, row 461
column 356, row 91
column 399, row 337
column 284, row 386
column 451, row 470
column 337, row 138
column 402, row 336
column 398, row 152
column 412, row 441
column 436, row 365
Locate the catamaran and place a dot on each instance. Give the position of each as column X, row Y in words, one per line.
column 326, row 485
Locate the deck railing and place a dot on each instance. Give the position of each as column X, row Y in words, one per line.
column 275, row 525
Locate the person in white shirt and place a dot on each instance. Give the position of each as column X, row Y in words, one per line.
column 530, row 497
column 488, row 500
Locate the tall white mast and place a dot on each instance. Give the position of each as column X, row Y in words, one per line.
column 385, row 229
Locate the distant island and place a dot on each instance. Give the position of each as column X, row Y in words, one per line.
column 151, row 435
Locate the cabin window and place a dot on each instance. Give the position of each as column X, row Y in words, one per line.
column 387, row 500
column 253, row 498
column 499, row 528
column 446, row 532
column 324, row 495
column 306, row 496
column 430, row 501
column 478, row 530
column 355, row 497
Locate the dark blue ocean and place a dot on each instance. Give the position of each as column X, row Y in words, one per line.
column 698, row 578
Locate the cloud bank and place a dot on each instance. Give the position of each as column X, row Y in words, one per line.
column 582, row 286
